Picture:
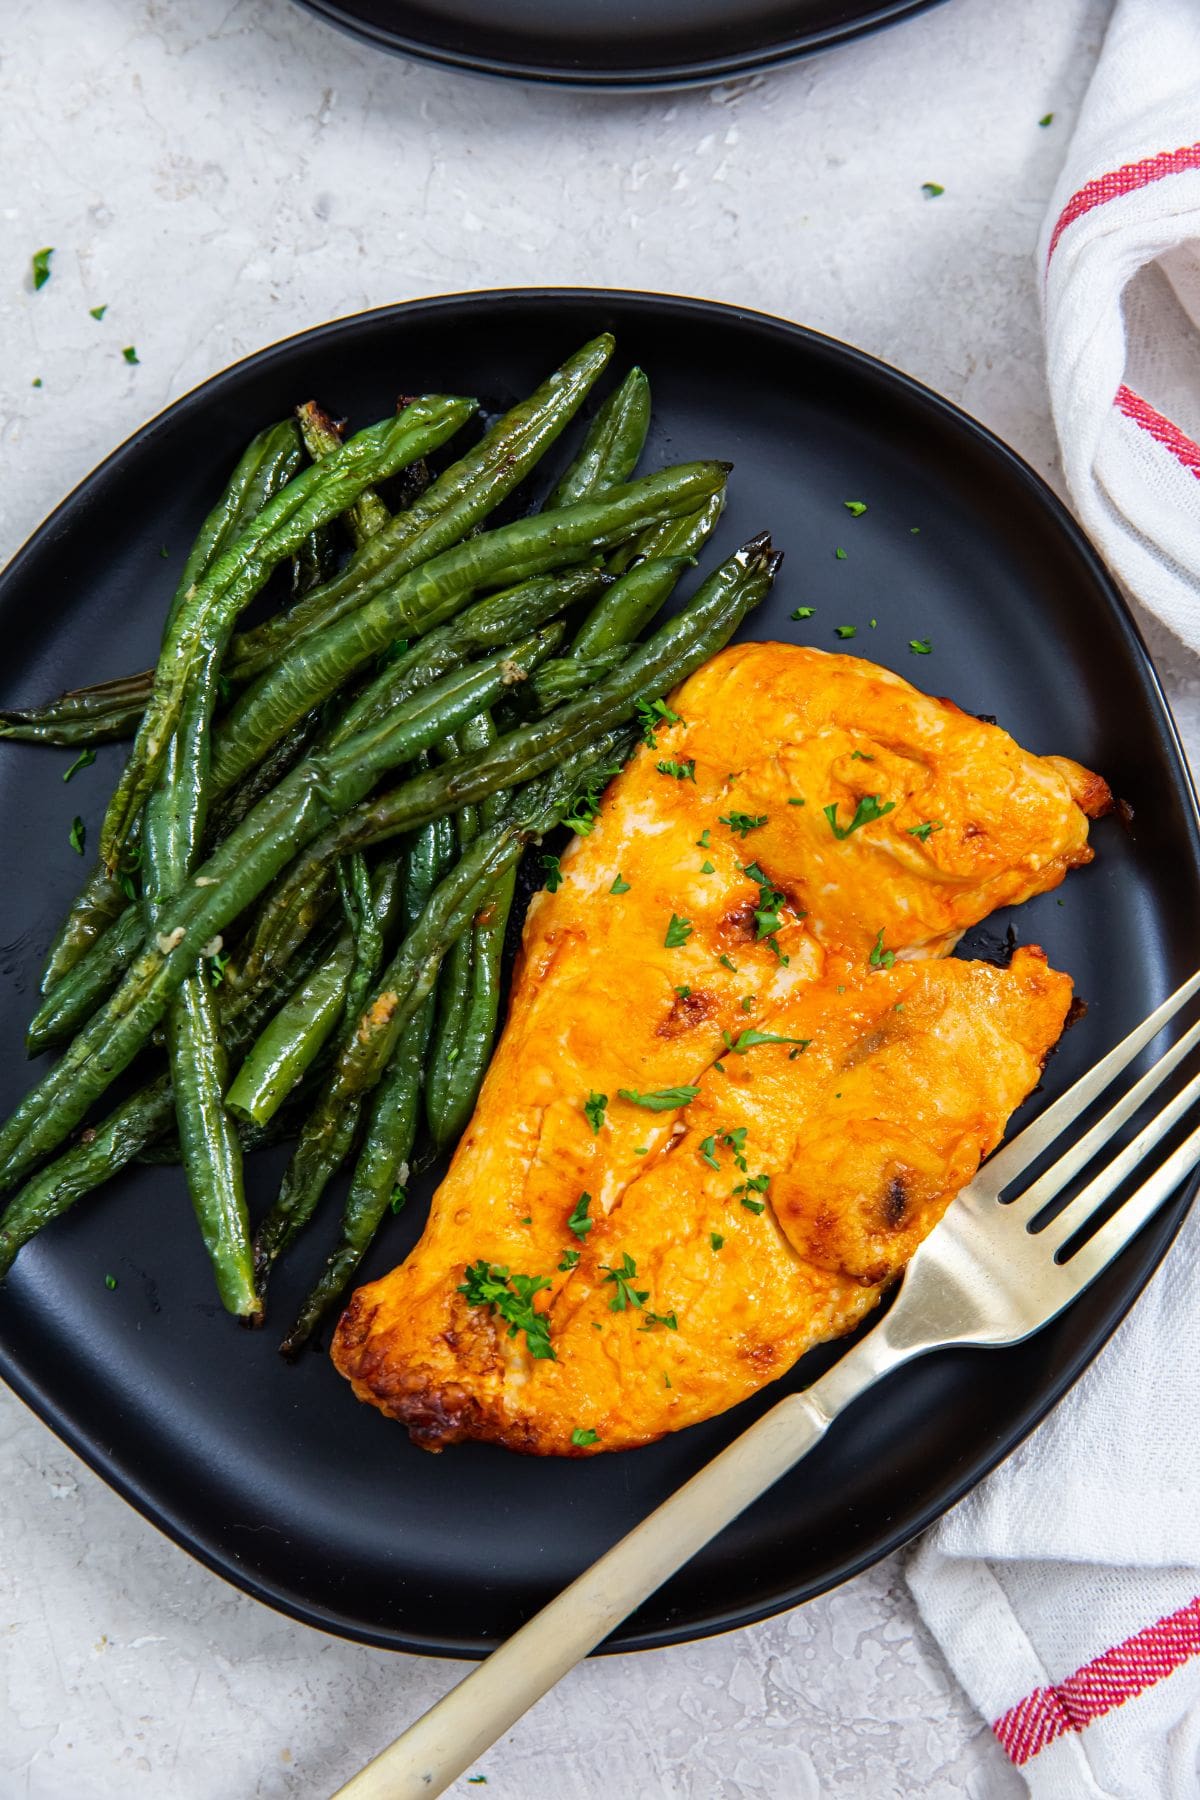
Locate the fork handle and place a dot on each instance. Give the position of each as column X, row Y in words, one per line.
column 453, row 1734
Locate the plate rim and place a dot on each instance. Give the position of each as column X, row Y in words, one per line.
column 663, row 78
column 783, row 1597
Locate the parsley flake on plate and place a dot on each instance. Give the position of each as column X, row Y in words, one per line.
column 932, row 189
column 920, row 646
column 622, row 1275
column 579, row 1222
column 925, row 831
column 594, row 1107
column 804, row 612
column 130, row 354
column 619, row 886
column 82, row 761
column 856, row 508
column 715, row 1239
column 582, row 1436
column 682, row 771
column 652, row 714
column 40, row 264
column 846, row 631
column 78, row 835
column 554, row 874
column 98, row 312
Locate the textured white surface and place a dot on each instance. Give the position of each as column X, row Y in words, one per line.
column 221, row 175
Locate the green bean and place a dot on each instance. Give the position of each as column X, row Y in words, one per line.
column 367, row 1046
column 292, row 1040
column 91, row 715
column 383, row 1162
column 303, row 805
column 443, row 515
column 487, row 625
column 564, row 678
column 453, row 996
column 368, row 516
column 137, row 1123
column 612, row 446
column 673, row 537
column 74, row 998
column 278, row 762
column 429, row 594
column 312, row 499
column 620, row 613
column 263, row 469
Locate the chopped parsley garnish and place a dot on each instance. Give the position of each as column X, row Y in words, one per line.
column 840, row 554
column 78, row 834
column 678, row 932
column 702, row 841
column 491, row 1285
column 82, row 761
column 662, row 1100
column 920, row 646
column 130, row 354
column 110, row 1282
column 585, row 808
column 866, row 812
column 728, row 963
column 619, row 886
column 582, row 1436
column 925, row 831
column 931, row 189
column 860, row 756
column 622, row 1276
column 554, row 875
column 652, row 714
column 879, row 957
column 216, row 967
column 750, row 1038
column 682, row 771
column 754, row 1206
column 734, row 1140
column 856, row 508
column 36, row 382
column 98, row 312
column 399, row 1197
column 569, row 1259
column 579, row 1222
column 804, row 612
column 594, row 1107
column 748, row 1002
column 744, row 823
column 683, row 992
column 40, row 261
column 766, row 914
column 715, row 1239
column 1046, row 119
column 652, row 1319
column 797, row 800
column 707, row 868
column 846, row 631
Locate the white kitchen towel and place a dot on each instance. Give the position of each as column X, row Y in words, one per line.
column 1119, row 266
column 1065, row 1592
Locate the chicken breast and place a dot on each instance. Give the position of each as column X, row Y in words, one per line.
column 739, row 1081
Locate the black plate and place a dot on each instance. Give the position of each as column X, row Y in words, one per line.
column 612, row 43
column 274, row 1475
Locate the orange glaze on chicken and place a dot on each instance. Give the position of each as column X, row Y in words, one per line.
column 768, row 1211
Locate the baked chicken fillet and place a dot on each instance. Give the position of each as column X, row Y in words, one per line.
column 740, row 1078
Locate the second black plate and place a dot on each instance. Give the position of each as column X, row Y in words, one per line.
column 274, row 1475
column 612, row 43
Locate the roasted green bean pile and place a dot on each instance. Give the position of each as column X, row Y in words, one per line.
column 308, row 865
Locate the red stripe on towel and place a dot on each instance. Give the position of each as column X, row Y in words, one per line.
column 1160, row 428
column 1125, row 180
column 1100, row 1685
